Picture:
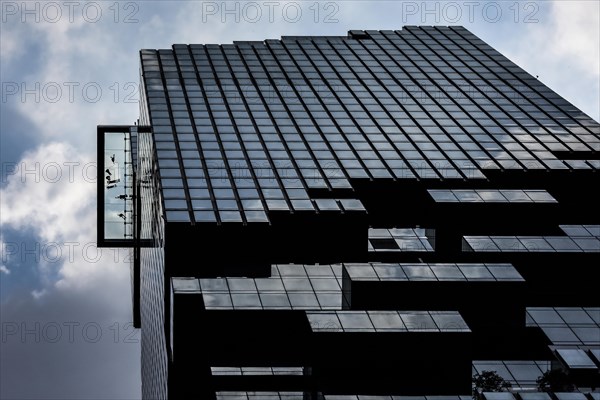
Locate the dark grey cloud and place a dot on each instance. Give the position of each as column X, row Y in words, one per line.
column 69, row 346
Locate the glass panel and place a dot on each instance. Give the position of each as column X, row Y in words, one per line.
column 241, row 285
column 217, row 300
column 449, row 321
column 303, row 301
column 361, row 271
column 443, row 196
column 545, row 316
column 118, row 186
column 418, row 272
column 324, row 322
column 418, row 321
column 575, row 316
column 275, row 300
column 475, row 272
column 246, row 300
column 500, row 396
column 355, row 321
column 386, row 320
column 447, row 272
column 570, row 396
column 576, row 359
column 269, row 285
column 389, row 272
column 505, row 272
column 527, row 371
column 560, row 335
column 214, row 285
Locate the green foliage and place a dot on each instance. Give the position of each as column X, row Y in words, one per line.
column 489, row 381
column 555, row 380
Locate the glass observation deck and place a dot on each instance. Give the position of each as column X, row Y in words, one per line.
column 116, row 184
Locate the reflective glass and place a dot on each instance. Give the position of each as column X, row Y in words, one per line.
column 576, row 359
column 355, row 321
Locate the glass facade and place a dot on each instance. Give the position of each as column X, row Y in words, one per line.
column 306, row 211
column 152, row 268
column 254, row 126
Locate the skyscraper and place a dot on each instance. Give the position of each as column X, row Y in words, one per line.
column 382, row 213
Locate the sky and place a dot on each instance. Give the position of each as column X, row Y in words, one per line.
column 65, row 67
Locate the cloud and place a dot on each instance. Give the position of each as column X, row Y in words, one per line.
column 577, row 35
column 3, row 257
column 51, row 191
column 50, row 195
column 563, row 48
column 10, row 46
column 38, row 294
column 75, row 75
column 68, row 345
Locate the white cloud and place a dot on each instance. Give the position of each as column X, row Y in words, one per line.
column 577, row 34
column 80, row 287
column 4, row 256
column 75, row 78
column 55, row 200
column 38, row 294
column 10, row 45
column 563, row 48
column 51, row 193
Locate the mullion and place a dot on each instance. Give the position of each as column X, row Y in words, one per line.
column 275, row 124
column 347, row 111
column 212, row 119
column 390, row 116
column 456, row 103
column 309, row 113
column 237, row 131
column 195, row 131
column 186, row 189
column 393, row 98
column 305, row 108
column 488, row 113
column 420, row 105
column 252, row 71
column 507, row 98
column 497, row 104
column 493, row 59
